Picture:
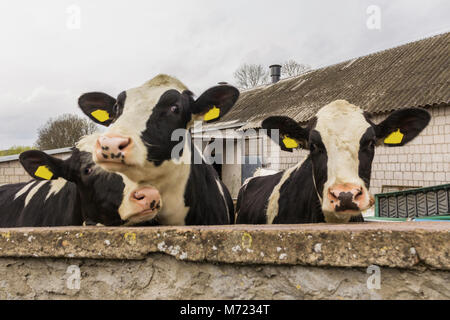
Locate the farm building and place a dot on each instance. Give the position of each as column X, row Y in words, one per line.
column 11, row 171
column 416, row 74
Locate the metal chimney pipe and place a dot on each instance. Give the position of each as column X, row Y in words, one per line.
column 275, row 72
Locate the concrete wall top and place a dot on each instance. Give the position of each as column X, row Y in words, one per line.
column 407, row 245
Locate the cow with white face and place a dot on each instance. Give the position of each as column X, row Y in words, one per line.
column 139, row 143
column 332, row 183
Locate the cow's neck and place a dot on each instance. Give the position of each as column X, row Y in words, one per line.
column 171, row 181
column 308, row 196
column 273, row 204
column 174, row 210
column 300, row 198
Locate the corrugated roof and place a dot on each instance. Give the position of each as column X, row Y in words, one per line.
column 415, row 74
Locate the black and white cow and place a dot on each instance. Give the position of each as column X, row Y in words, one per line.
column 75, row 191
column 332, row 183
column 139, row 143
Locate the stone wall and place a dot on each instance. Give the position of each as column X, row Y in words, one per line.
column 162, row 277
column 321, row 261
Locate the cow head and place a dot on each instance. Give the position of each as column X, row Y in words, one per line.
column 141, row 122
column 105, row 198
column 342, row 140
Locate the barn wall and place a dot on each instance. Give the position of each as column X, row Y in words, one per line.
column 13, row 172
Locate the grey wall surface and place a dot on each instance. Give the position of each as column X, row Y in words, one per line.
column 163, row 277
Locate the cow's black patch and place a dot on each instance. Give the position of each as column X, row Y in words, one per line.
column 365, row 155
column 170, row 113
column 319, row 160
column 175, row 110
column 101, row 192
column 61, row 209
column 299, row 202
column 253, row 199
column 287, row 127
column 410, row 122
column 206, row 204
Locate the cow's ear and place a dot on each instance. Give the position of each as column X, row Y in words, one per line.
column 98, row 106
column 290, row 134
column 41, row 166
column 214, row 103
column 402, row 126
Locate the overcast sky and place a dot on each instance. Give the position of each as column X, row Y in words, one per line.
column 46, row 61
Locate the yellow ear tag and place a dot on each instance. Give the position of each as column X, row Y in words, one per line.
column 100, row 115
column 395, row 137
column 212, row 114
column 290, row 143
column 44, row 173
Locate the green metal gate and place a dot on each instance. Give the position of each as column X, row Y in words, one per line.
column 429, row 203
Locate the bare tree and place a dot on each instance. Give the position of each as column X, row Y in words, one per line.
column 251, row 75
column 292, row 68
column 64, row 131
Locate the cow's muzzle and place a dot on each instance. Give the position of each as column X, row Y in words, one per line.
column 147, row 201
column 113, row 149
column 349, row 198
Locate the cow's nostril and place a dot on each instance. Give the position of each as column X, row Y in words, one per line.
column 333, row 195
column 146, row 198
column 359, row 193
column 124, row 144
column 138, row 196
column 113, row 148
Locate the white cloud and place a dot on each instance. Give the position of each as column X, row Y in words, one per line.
column 21, row 117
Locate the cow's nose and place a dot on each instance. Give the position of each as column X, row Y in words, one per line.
column 112, row 148
column 147, row 199
column 346, row 197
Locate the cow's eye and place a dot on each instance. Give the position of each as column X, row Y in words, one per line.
column 371, row 144
column 88, row 171
column 174, row 109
